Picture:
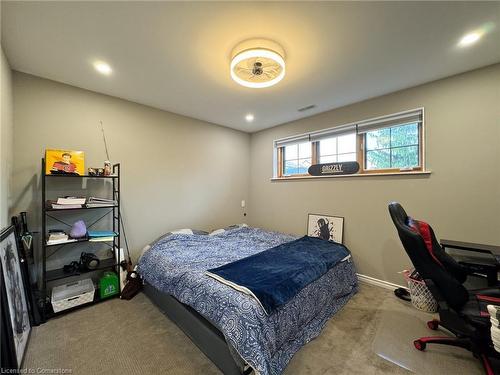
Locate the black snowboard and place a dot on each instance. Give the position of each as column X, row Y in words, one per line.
column 328, row 169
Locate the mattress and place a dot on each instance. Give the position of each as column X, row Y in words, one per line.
column 176, row 265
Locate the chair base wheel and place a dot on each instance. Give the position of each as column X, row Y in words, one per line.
column 433, row 324
column 419, row 345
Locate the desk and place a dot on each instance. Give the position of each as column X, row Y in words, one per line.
column 471, row 246
column 482, row 265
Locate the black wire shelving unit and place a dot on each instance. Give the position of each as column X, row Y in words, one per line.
column 57, row 215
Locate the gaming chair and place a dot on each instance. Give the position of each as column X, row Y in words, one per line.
column 462, row 312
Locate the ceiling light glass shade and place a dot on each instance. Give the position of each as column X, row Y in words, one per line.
column 257, row 67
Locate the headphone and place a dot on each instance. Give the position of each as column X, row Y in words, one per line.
column 88, row 262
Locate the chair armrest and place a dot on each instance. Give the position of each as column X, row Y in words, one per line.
column 488, row 293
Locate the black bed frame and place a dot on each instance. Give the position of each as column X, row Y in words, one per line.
column 204, row 334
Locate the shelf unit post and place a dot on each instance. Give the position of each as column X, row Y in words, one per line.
column 117, row 217
column 44, row 247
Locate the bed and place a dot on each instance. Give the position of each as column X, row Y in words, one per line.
column 229, row 326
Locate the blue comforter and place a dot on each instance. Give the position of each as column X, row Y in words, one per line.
column 177, row 264
column 276, row 275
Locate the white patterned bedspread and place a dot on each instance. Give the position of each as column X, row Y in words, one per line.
column 176, row 265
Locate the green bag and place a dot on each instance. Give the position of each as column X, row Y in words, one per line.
column 108, row 285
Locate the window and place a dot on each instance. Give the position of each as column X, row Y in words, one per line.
column 396, row 147
column 297, row 159
column 337, row 149
column 385, row 144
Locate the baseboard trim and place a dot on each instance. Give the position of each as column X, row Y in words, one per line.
column 377, row 282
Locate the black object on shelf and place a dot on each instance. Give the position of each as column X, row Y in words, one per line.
column 57, row 274
column 78, row 208
column 78, row 175
column 48, row 214
column 75, row 240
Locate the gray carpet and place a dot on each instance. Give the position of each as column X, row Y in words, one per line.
column 133, row 337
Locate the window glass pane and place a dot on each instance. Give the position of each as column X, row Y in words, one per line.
column 305, row 150
column 378, row 139
column 291, row 152
column 404, row 157
column 347, row 143
column 404, row 135
column 304, row 165
column 378, row 159
column 328, row 146
column 347, row 157
column 328, row 159
column 291, row 167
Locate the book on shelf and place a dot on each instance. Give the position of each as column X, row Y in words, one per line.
column 101, row 239
column 100, row 202
column 56, row 206
column 71, row 200
column 57, row 242
column 94, row 205
column 96, row 200
column 101, row 233
column 59, row 237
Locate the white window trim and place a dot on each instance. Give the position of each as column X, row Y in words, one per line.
column 343, row 129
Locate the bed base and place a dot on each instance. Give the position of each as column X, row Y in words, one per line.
column 204, row 334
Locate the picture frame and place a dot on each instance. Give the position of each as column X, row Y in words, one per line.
column 17, row 320
column 327, row 227
column 64, row 162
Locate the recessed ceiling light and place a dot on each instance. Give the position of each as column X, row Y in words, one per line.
column 257, row 63
column 470, row 38
column 102, row 67
column 249, row 117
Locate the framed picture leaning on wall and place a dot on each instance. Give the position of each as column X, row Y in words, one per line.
column 18, row 322
column 330, row 228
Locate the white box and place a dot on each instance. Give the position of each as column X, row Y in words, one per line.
column 72, row 294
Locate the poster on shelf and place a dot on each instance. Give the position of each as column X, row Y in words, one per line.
column 64, row 162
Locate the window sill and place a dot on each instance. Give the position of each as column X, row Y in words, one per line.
column 401, row 174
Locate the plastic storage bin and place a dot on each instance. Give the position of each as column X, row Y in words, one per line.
column 72, row 294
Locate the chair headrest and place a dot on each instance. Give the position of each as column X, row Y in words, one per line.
column 398, row 215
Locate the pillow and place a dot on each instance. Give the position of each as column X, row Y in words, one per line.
column 177, row 231
column 231, row 227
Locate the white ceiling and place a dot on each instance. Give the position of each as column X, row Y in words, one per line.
column 175, row 56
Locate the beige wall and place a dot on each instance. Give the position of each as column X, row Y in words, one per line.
column 6, row 139
column 181, row 172
column 461, row 198
column 177, row 172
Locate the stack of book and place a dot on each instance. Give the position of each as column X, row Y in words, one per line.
column 67, row 203
column 100, row 202
column 101, row 235
column 57, row 237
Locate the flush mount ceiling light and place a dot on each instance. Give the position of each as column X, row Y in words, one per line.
column 249, row 117
column 102, row 67
column 257, row 63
